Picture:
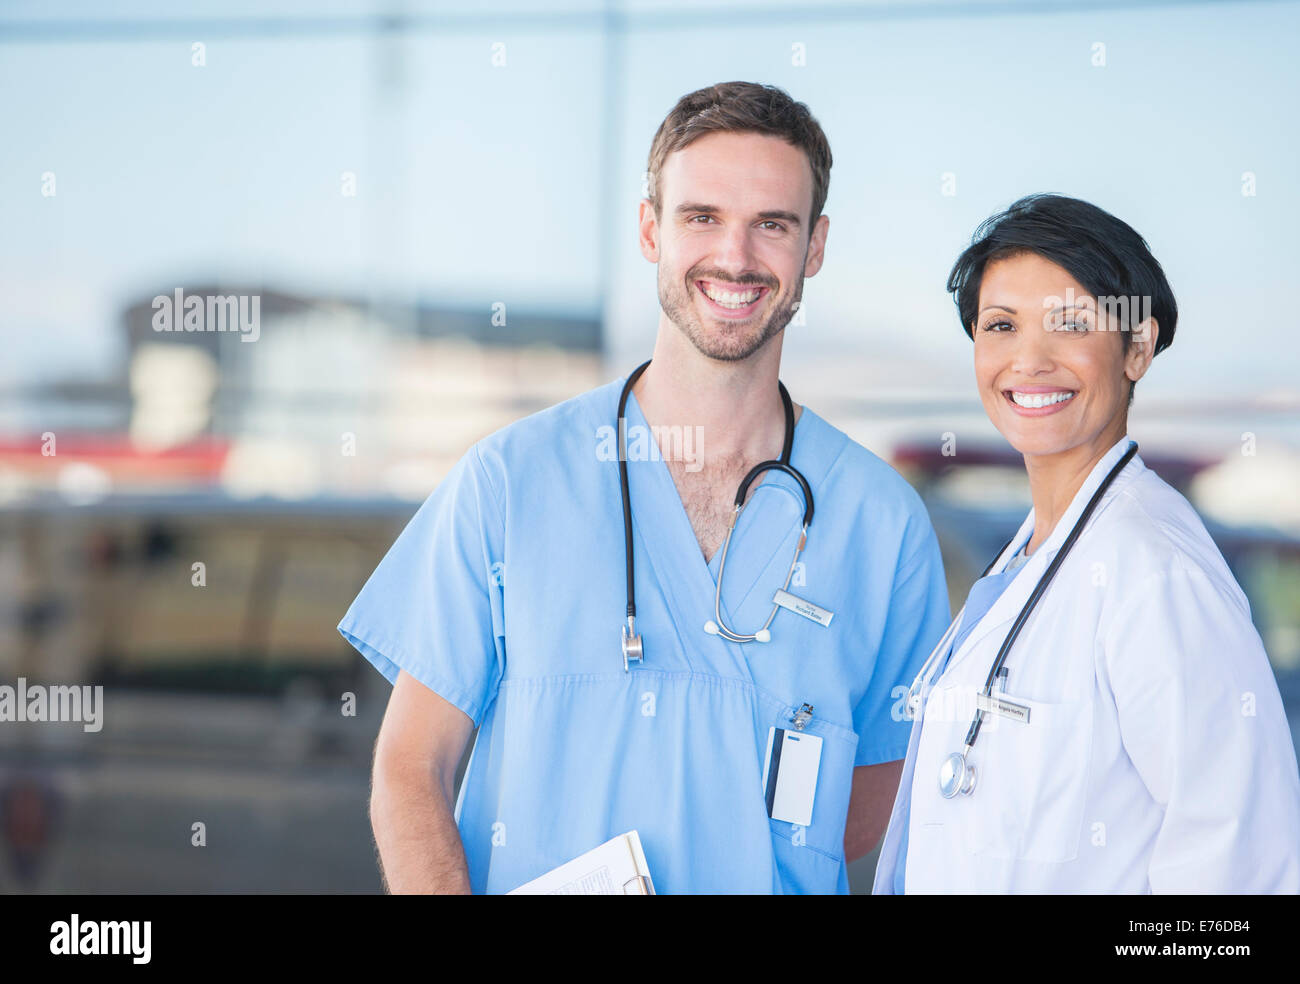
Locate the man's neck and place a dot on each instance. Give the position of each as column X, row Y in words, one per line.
column 736, row 405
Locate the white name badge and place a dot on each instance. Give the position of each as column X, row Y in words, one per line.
column 1003, row 707
column 800, row 607
column 790, row 775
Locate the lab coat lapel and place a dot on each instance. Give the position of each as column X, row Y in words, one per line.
column 1008, row 606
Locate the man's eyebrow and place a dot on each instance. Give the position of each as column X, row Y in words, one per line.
column 698, row 208
column 784, row 216
column 687, row 207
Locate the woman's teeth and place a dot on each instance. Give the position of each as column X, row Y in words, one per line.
column 1033, row 401
column 732, row 300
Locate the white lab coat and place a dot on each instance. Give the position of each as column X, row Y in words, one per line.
column 1157, row 757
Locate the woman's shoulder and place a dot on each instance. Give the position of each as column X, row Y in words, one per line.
column 1157, row 532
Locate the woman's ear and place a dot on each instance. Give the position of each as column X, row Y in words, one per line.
column 1141, row 349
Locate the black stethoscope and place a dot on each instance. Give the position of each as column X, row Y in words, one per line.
column 956, row 774
column 633, row 649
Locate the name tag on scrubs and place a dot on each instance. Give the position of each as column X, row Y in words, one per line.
column 790, row 775
column 807, row 609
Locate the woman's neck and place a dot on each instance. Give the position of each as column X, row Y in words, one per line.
column 1055, row 479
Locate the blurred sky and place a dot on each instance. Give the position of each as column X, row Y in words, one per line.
column 520, row 183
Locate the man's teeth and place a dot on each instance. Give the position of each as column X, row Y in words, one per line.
column 732, row 300
column 1032, row 401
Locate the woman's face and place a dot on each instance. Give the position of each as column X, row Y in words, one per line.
column 1052, row 370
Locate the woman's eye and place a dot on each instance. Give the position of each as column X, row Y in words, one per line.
column 997, row 326
column 1073, row 326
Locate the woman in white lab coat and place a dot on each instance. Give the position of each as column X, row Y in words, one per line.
column 1134, row 740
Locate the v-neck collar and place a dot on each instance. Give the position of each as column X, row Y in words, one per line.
column 665, row 532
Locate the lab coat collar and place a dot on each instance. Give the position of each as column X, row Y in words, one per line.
column 1017, row 593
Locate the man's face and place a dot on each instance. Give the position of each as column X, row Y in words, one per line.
column 732, row 243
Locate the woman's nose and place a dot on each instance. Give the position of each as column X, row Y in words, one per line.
column 1033, row 350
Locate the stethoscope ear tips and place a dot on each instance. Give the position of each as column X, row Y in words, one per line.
column 762, row 635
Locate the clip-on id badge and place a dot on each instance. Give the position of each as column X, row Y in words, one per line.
column 790, row 775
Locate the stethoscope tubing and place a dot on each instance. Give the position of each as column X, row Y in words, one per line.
column 931, row 663
column 1041, row 587
column 782, row 464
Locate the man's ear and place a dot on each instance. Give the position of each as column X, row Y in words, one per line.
column 817, row 246
column 648, row 231
column 1141, row 349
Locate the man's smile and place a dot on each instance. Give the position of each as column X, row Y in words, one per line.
column 728, row 300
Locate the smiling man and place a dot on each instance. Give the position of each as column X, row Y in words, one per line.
column 753, row 746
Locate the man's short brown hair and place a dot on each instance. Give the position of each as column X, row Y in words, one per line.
column 742, row 107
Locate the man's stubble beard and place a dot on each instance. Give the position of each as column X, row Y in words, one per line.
column 678, row 304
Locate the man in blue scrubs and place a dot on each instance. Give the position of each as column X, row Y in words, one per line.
column 501, row 605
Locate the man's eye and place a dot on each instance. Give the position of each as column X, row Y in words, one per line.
column 774, row 224
column 709, row 217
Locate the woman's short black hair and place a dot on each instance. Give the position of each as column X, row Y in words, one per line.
column 1102, row 253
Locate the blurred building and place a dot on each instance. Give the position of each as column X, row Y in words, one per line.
column 324, row 396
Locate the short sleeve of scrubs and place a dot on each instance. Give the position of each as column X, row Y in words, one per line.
column 918, row 616
column 433, row 606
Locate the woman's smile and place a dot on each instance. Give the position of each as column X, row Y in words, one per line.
column 1038, row 401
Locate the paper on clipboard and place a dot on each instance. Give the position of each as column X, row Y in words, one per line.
column 617, row 867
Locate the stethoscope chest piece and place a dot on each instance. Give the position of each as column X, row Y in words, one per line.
column 956, row 776
column 632, row 651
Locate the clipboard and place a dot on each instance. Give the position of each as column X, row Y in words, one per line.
column 617, row 867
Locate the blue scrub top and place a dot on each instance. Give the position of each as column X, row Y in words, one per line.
column 506, row 595
column 983, row 594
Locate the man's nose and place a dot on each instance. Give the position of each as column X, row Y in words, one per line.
column 733, row 252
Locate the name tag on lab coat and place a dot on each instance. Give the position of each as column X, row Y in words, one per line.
column 996, row 704
column 790, row 775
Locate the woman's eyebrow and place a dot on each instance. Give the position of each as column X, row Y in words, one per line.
column 998, row 307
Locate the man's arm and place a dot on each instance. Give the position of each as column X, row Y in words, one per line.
column 870, row 803
column 412, row 798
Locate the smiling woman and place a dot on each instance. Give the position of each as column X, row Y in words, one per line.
column 1046, row 292
column 1108, row 277
column 1128, row 735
